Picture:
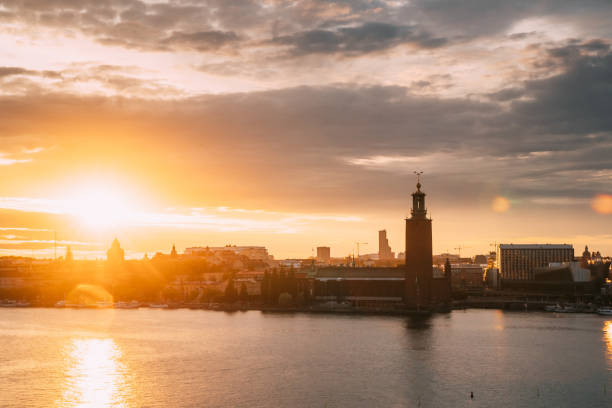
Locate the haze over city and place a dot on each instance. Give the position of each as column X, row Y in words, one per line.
column 298, row 124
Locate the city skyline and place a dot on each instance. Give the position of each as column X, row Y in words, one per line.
column 297, row 125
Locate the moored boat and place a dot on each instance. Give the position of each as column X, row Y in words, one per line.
column 551, row 308
column 127, row 305
column 102, row 304
column 158, row 305
column 605, row 311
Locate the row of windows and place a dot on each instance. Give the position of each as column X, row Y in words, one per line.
column 520, row 263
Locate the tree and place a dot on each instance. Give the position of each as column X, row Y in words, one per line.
column 265, row 288
column 243, row 292
column 282, row 281
column 292, row 283
column 274, row 288
column 230, row 291
column 285, row 299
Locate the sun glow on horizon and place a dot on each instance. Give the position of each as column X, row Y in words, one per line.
column 101, row 206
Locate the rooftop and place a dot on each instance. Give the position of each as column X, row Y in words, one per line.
column 536, row 246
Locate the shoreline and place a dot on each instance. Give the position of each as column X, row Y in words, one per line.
column 505, row 306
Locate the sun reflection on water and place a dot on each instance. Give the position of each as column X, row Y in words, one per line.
column 95, row 376
column 607, row 336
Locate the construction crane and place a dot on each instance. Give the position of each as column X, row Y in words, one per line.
column 359, row 243
column 459, row 248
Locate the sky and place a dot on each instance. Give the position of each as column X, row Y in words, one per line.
column 296, row 124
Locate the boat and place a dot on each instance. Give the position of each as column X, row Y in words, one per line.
column 22, row 304
column 560, row 309
column 158, row 305
column 102, row 304
column 567, row 309
column 127, row 305
column 551, row 308
column 8, row 303
column 605, row 311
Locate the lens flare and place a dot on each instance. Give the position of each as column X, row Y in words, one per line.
column 500, row 204
column 89, row 295
column 602, row 203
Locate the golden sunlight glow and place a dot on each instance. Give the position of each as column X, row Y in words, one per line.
column 607, row 336
column 95, row 376
column 602, row 203
column 100, row 206
column 500, row 204
column 88, row 295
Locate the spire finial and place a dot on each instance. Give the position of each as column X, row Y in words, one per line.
column 418, row 174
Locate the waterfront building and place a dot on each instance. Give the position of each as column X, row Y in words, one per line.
column 492, row 277
column 467, row 276
column 519, row 261
column 563, row 272
column 422, row 289
column 259, row 253
column 412, row 284
column 323, row 254
column 360, row 286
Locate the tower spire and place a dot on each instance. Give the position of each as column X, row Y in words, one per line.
column 418, row 175
column 418, row 199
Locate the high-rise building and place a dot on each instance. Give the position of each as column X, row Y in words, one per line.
column 518, row 261
column 384, row 250
column 323, row 254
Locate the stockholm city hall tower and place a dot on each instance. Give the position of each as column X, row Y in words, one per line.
column 422, row 290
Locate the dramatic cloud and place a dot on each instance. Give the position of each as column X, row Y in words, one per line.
column 202, row 40
column 312, row 108
column 552, row 126
column 351, row 41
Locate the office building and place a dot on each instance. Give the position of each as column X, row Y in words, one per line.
column 323, row 254
column 519, row 261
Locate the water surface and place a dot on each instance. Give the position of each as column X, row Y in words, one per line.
column 194, row 358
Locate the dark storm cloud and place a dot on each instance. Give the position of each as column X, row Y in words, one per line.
column 559, row 127
column 577, row 100
column 14, row 71
column 363, row 39
column 202, row 40
column 478, row 18
column 307, row 27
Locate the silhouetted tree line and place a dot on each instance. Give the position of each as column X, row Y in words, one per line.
column 143, row 280
column 276, row 285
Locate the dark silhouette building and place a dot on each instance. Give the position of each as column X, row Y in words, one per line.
column 421, row 289
column 412, row 285
column 323, row 254
column 115, row 254
column 384, row 250
column 419, row 254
